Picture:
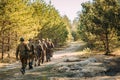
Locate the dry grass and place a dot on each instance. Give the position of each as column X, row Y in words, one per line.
column 116, row 51
column 8, row 59
column 86, row 52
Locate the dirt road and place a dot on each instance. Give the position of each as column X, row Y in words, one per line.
column 11, row 71
column 61, row 58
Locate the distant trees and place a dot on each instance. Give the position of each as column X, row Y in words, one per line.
column 74, row 30
column 99, row 23
column 50, row 23
column 68, row 26
column 23, row 18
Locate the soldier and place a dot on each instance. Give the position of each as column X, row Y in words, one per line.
column 22, row 50
column 31, row 53
column 49, row 49
column 44, row 49
column 39, row 51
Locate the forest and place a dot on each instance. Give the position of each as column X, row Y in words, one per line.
column 30, row 19
column 99, row 24
column 87, row 48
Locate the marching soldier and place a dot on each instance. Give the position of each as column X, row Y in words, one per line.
column 44, row 49
column 39, row 51
column 22, row 50
column 31, row 53
column 50, row 47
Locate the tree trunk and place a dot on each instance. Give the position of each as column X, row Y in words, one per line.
column 8, row 44
column 107, row 50
column 104, row 45
column 2, row 45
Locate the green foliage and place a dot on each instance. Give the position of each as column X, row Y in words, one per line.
column 75, row 35
column 99, row 22
column 74, row 30
column 68, row 26
column 50, row 23
column 23, row 18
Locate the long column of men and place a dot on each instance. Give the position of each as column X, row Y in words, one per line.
column 34, row 53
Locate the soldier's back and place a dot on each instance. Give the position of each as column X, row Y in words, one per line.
column 23, row 50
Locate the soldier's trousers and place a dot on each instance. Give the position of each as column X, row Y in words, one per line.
column 31, row 57
column 48, row 55
column 43, row 55
column 23, row 60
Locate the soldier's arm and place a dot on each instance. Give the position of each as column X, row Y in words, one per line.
column 45, row 45
column 42, row 47
column 17, row 51
column 53, row 45
column 32, row 49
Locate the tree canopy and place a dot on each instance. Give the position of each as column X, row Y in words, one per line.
column 30, row 19
column 99, row 22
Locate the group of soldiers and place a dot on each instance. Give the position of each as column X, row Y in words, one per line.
column 34, row 52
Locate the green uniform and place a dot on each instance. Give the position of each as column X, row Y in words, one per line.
column 31, row 54
column 22, row 50
column 49, row 52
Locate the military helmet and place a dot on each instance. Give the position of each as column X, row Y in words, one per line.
column 21, row 39
column 43, row 39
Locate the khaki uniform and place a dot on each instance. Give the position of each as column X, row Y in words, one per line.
column 44, row 50
column 22, row 50
column 31, row 54
column 49, row 52
column 39, row 52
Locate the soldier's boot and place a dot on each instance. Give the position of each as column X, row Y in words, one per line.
column 47, row 58
column 22, row 70
column 38, row 64
column 30, row 65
